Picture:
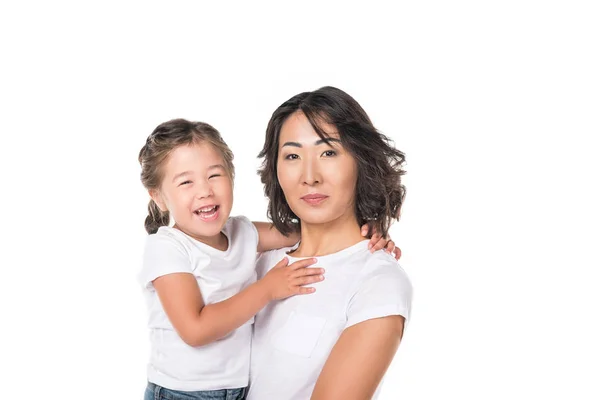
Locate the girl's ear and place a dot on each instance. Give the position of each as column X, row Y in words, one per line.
column 158, row 199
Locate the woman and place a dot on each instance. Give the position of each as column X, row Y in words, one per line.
column 326, row 172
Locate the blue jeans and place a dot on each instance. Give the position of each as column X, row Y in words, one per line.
column 155, row 392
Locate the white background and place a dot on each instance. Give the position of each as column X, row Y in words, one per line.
column 496, row 105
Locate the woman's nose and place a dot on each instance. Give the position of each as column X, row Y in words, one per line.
column 311, row 173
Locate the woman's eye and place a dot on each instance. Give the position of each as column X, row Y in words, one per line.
column 292, row 157
column 329, row 153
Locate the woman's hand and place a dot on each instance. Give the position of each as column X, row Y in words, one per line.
column 378, row 242
column 288, row 280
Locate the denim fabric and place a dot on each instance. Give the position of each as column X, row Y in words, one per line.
column 155, row 392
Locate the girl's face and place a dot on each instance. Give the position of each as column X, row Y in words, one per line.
column 196, row 190
column 318, row 177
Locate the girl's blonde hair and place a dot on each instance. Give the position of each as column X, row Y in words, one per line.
column 161, row 142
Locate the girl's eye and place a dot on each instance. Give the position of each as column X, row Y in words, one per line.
column 213, row 176
column 329, row 153
column 292, row 157
column 185, row 183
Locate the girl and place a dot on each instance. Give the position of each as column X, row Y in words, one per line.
column 199, row 275
column 326, row 166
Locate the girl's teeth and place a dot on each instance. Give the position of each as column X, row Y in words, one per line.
column 207, row 209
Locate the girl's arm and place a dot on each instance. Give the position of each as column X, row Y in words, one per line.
column 199, row 324
column 270, row 238
column 359, row 359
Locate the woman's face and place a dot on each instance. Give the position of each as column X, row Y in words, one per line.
column 318, row 177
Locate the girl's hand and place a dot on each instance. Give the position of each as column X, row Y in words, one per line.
column 288, row 280
column 378, row 242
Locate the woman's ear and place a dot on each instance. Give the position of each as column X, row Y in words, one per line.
column 158, row 199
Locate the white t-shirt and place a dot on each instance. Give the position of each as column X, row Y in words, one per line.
column 223, row 364
column 293, row 337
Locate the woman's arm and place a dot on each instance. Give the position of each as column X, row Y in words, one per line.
column 359, row 360
column 270, row 238
column 199, row 324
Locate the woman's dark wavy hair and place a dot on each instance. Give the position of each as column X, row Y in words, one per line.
column 379, row 191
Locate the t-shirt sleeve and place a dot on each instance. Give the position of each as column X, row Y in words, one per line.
column 382, row 291
column 163, row 255
column 264, row 263
column 248, row 229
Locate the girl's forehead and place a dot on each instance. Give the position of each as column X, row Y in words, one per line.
column 195, row 153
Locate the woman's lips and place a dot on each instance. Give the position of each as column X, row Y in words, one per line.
column 314, row 199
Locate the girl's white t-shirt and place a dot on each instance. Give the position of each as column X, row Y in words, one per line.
column 223, row 364
column 293, row 337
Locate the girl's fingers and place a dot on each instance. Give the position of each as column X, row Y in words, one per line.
column 305, row 290
column 377, row 243
column 306, row 280
column 390, row 246
column 374, row 239
column 364, row 230
column 282, row 263
column 307, row 272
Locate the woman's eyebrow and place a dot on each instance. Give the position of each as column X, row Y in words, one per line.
column 318, row 142
column 293, row 144
column 327, row 141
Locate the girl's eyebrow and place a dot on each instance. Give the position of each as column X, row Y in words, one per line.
column 184, row 173
column 179, row 175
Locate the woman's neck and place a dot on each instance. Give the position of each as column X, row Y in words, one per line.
column 322, row 239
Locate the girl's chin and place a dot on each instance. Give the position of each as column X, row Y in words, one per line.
column 202, row 230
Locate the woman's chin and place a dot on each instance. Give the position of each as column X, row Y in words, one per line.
column 318, row 219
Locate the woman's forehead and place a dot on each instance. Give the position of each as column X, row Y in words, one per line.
column 297, row 128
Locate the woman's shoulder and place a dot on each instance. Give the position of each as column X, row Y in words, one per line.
column 381, row 266
column 382, row 288
column 364, row 263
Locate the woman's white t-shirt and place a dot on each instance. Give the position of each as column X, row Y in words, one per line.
column 293, row 337
column 225, row 363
